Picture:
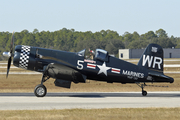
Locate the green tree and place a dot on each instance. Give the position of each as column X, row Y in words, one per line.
column 164, row 42
column 161, row 33
column 114, row 45
column 149, row 35
column 71, row 40
column 35, row 31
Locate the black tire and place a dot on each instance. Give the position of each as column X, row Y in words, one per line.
column 144, row 93
column 40, row 90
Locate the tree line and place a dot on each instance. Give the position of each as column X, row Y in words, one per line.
column 74, row 41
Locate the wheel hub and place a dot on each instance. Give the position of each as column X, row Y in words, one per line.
column 40, row 91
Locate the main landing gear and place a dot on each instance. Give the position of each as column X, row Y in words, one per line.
column 142, row 86
column 40, row 90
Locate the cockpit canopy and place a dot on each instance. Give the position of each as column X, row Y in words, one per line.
column 101, row 55
column 82, row 52
column 98, row 55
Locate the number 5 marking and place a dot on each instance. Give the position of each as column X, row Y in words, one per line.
column 80, row 65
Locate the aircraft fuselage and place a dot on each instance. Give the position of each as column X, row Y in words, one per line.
column 110, row 70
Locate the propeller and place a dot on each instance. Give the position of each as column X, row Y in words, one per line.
column 9, row 54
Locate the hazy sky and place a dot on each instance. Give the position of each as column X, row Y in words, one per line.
column 91, row 15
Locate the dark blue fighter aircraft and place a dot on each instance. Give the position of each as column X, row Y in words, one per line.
column 66, row 67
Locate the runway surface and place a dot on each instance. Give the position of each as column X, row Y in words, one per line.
column 27, row 101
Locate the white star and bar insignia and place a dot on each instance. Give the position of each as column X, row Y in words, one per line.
column 89, row 65
column 115, row 70
column 103, row 68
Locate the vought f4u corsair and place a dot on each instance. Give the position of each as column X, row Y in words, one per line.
column 66, row 67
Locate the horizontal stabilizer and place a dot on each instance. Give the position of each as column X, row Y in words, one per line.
column 158, row 77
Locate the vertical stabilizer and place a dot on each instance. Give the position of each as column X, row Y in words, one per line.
column 152, row 58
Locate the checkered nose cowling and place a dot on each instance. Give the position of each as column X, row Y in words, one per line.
column 24, row 57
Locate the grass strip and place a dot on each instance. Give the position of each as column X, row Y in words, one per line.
column 94, row 114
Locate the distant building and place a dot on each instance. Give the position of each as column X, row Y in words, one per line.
column 136, row 53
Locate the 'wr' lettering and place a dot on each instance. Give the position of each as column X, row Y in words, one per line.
column 149, row 59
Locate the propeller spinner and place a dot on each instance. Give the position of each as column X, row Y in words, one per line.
column 9, row 54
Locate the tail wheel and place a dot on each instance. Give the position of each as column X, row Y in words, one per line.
column 40, row 90
column 144, row 93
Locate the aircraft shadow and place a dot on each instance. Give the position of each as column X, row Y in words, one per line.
column 97, row 95
column 93, row 95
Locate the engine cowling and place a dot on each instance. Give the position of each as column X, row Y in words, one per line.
column 24, row 57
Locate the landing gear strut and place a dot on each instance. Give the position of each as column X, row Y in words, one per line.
column 40, row 90
column 142, row 86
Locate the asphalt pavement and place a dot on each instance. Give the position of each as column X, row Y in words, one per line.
column 28, row 101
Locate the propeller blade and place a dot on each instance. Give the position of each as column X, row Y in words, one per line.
column 12, row 43
column 10, row 55
column 8, row 66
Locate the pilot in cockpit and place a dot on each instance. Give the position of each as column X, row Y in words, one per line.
column 91, row 54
